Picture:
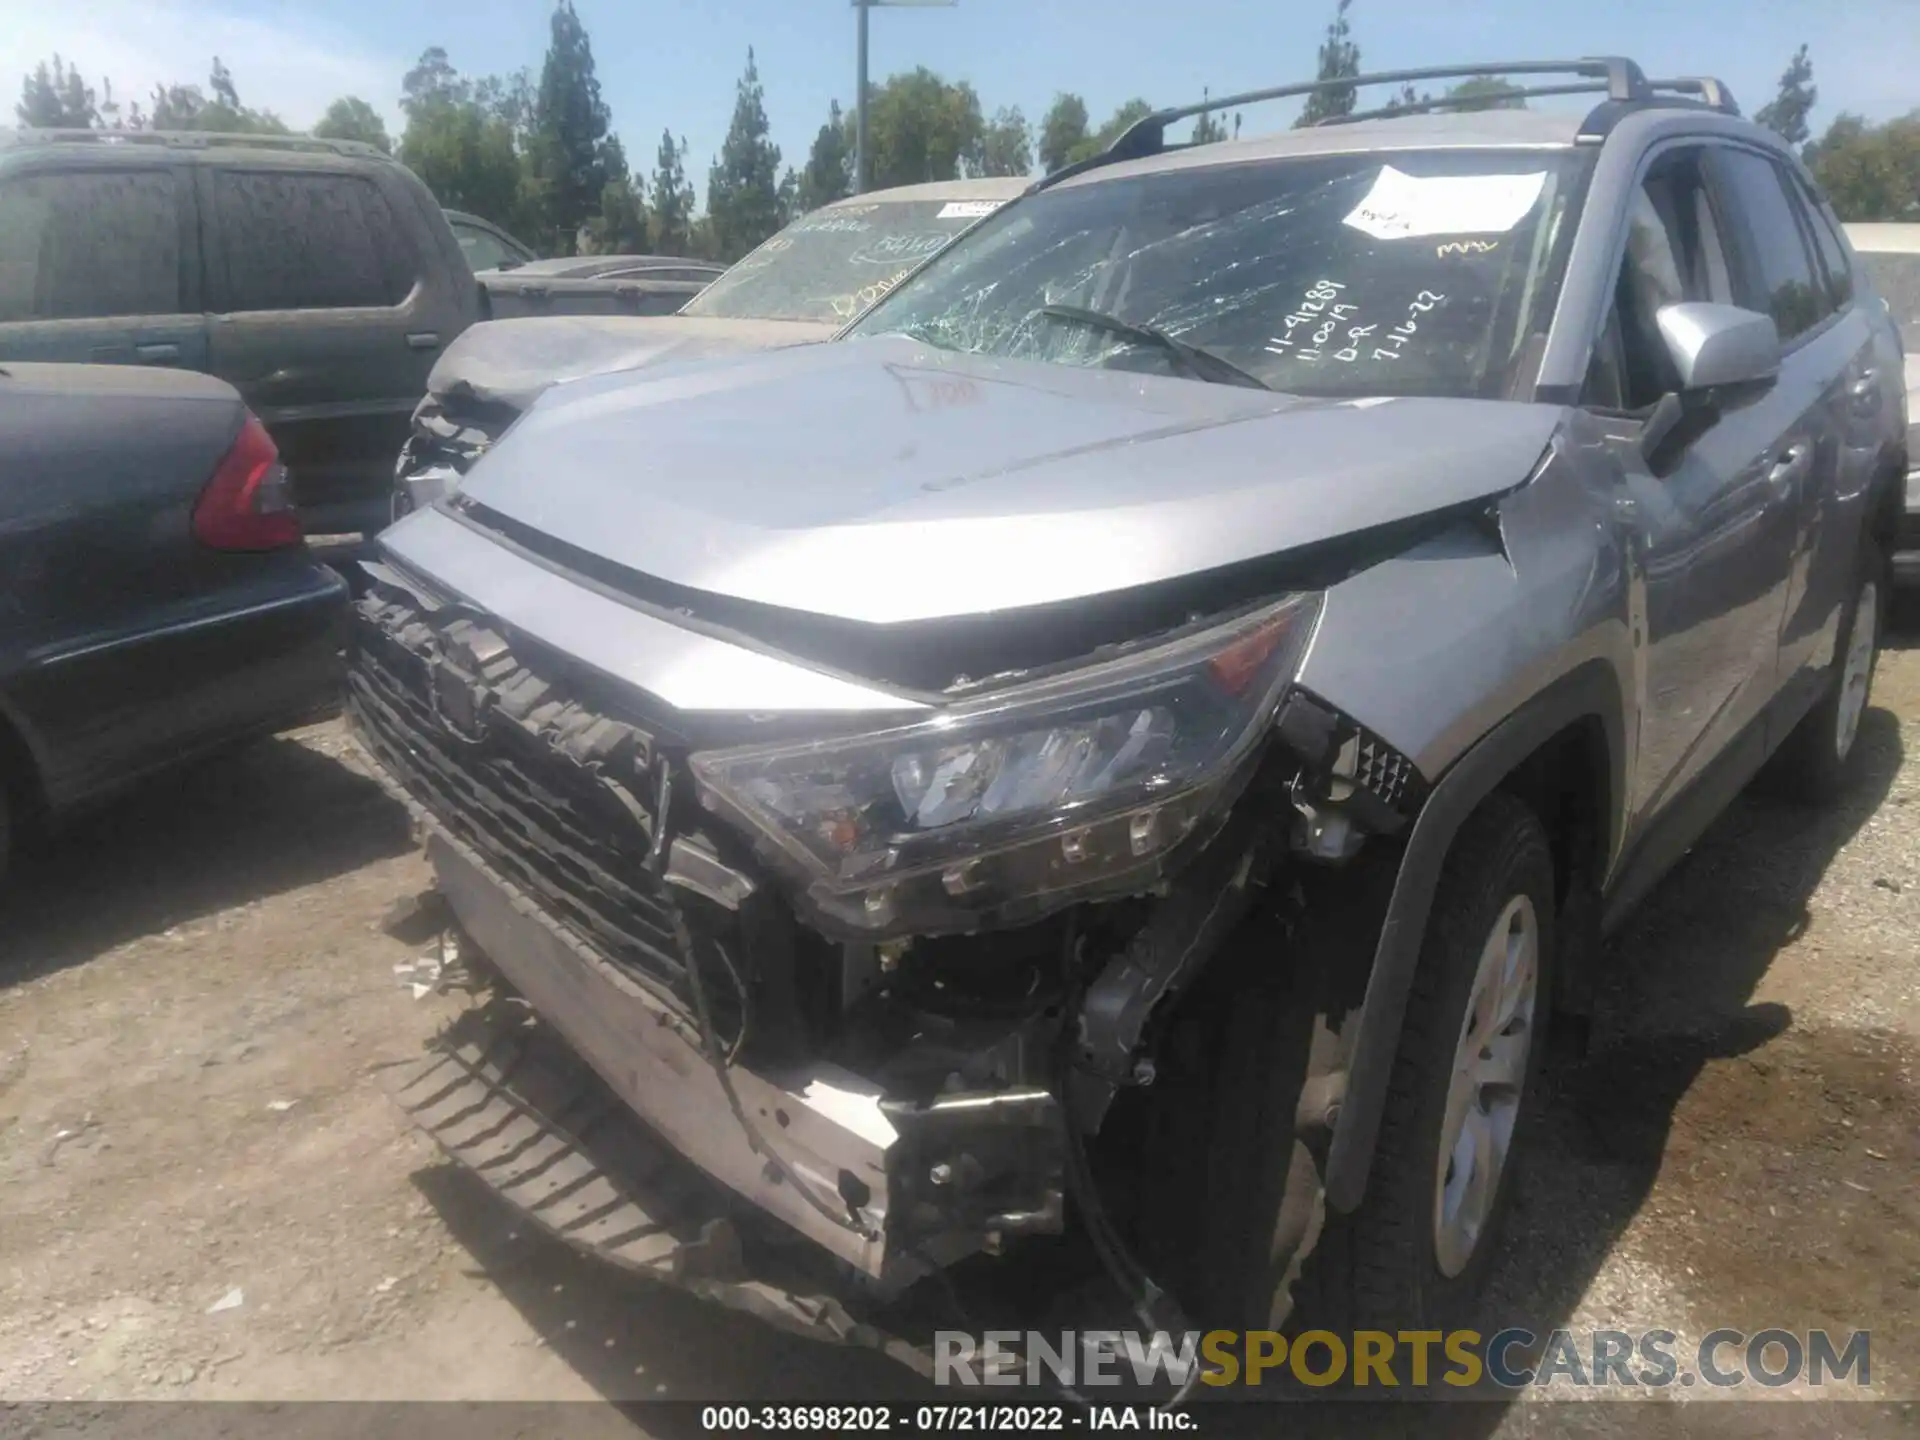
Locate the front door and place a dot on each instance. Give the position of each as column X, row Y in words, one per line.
column 1713, row 531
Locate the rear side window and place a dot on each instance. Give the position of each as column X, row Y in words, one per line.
column 89, row 244
column 1779, row 263
column 1833, row 255
column 484, row 251
column 307, row 241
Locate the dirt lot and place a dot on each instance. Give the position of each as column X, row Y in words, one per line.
column 207, row 1194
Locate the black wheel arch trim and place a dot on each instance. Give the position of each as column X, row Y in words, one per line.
column 1589, row 692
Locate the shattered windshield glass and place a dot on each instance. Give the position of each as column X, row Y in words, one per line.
column 1416, row 273
column 1897, row 278
column 834, row 263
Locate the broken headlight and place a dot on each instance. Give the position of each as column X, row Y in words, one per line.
column 1014, row 801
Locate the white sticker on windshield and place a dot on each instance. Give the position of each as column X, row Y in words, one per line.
column 1403, row 207
column 968, row 209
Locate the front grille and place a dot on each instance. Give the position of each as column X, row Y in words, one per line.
column 573, row 842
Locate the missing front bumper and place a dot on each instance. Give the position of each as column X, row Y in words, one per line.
column 893, row 1191
column 505, row 1097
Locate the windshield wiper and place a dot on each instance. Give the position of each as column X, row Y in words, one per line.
column 1200, row 364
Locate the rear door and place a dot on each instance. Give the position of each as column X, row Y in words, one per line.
column 327, row 318
column 1861, row 403
column 100, row 262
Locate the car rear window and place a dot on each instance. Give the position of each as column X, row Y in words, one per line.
column 297, row 240
column 1411, row 273
column 89, row 243
column 483, row 249
column 832, row 264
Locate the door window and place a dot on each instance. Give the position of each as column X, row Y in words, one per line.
column 1673, row 254
column 90, row 243
column 484, row 250
column 1780, row 279
column 1833, row 255
column 307, row 241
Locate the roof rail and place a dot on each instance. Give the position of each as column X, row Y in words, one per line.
column 192, row 140
column 1462, row 102
column 1713, row 91
column 1624, row 81
column 1713, row 94
column 1621, row 80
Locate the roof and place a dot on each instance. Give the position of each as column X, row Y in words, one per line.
column 994, row 187
column 161, row 145
column 588, row 266
column 1885, row 239
column 1474, row 129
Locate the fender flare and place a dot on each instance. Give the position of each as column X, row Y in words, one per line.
column 1590, row 691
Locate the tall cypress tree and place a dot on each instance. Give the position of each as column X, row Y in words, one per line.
column 828, row 175
column 570, row 123
column 1339, row 58
column 743, row 187
column 671, row 199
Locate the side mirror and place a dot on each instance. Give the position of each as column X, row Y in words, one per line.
column 1713, row 346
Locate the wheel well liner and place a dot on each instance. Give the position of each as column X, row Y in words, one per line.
column 1585, row 696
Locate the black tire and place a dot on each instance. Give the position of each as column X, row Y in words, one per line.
column 1273, row 1256
column 6, row 831
column 1260, row 1191
column 1378, row 1267
column 1816, row 763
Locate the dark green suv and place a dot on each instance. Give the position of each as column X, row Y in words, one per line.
column 318, row 277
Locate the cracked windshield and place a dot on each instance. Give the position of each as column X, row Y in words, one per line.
column 1336, row 275
column 831, row 265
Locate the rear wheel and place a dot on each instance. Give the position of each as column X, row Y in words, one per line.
column 1815, row 763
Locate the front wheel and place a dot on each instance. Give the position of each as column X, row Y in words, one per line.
column 1466, row 1076
column 1463, row 1080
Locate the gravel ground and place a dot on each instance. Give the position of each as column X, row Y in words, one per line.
column 208, row 1196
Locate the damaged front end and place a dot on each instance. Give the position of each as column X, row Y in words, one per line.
column 816, row 1017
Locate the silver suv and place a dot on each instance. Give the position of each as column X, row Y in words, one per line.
column 1087, row 790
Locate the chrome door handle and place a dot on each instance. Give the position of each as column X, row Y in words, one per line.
column 157, row 352
column 1791, row 465
column 424, row 340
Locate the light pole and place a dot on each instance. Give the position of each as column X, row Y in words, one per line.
column 861, row 7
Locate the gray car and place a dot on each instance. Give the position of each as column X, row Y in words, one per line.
column 797, row 288
column 1083, row 796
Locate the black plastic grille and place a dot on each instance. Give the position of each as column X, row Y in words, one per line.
column 549, row 826
column 1384, row 771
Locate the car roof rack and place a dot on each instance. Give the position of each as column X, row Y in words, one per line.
column 1622, row 81
column 192, row 140
column 1708, row 93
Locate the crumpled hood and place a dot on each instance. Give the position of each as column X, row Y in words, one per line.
column 513, row 362
column 885, row 481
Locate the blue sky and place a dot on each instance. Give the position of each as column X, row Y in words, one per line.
column 675, row 62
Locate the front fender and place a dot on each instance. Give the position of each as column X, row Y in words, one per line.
column 1588, row 693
